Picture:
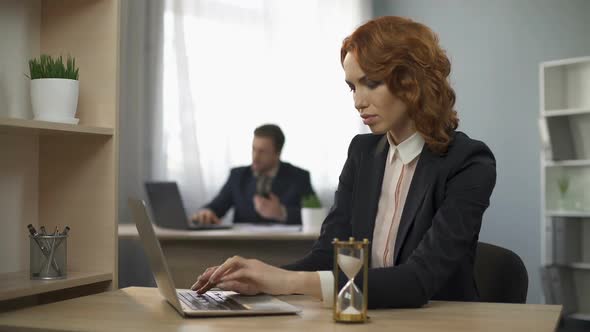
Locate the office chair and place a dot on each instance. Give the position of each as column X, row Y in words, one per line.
column 500, row 275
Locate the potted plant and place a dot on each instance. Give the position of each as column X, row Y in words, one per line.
column 54, row 89
column 563, row 183
column 312, row 213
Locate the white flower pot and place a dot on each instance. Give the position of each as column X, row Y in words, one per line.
column 312, row 219
column 55, row 99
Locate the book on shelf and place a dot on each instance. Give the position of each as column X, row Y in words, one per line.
column 545, row 138
column 546, row 285
column 548, row 243
column 566, row 241
column 559, row 288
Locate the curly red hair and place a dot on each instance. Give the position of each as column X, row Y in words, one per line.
column 406, row 55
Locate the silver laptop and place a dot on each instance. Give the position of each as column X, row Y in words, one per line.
column 188, row 302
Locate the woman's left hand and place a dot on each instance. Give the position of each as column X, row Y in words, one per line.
column 248, row 277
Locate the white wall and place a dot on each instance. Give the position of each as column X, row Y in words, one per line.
column 495, row 48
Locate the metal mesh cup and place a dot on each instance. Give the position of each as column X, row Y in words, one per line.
column 48, row 256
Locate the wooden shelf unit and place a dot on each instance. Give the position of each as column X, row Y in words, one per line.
column 61, row 174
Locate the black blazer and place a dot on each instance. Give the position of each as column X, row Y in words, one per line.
column 439, row 228
column 290, row 185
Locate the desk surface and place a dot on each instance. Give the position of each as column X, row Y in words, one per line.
column 143, row 309
column 238, row 232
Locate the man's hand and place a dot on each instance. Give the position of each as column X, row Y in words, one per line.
column 269, row 208
column 205, row 217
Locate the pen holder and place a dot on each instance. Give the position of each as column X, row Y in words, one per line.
column 48, row 256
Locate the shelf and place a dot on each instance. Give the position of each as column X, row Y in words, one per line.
column 567, row 163
column 575, row 265
column 566, row 112
column 18, row 284
column 579, row 266
column 566, row 214
column 34, row 127
column 580, row 316
column 565, row 62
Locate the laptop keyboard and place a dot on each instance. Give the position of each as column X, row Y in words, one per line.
column 209, row 301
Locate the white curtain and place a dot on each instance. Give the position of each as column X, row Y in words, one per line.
column 231, row 65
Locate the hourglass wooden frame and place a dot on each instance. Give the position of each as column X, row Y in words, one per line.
column 351, row 244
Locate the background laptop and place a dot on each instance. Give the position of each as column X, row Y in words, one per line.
column 168, row 209
column 188, row 302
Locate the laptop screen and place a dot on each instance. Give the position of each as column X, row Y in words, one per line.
column 154, row 253
column 166, row 204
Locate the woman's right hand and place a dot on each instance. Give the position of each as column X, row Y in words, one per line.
column 251, row 277
column 246, row 276
column 203, row 279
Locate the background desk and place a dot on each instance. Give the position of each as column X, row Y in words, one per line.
column 189, row 252
column 143, row 309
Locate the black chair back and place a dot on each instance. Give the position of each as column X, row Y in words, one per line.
column 500, row 275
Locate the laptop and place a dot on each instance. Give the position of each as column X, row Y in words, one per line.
column 168, row 209
column 187, row 302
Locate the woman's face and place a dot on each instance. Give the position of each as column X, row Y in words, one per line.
column 377, row 106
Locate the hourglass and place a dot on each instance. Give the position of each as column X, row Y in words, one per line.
column 351, row 257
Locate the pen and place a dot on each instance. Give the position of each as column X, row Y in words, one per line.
column 43, row 232
column 50, row 260
column 64, row 233
column 32, row 230
column 35, row 235
column 56, row 245
column 66, row 230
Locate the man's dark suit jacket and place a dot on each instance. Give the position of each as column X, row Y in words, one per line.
column 290, row 185
column 439, row 228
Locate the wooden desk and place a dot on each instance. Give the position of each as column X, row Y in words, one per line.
column 189, row 253
column 238, row 232
column 143, row 309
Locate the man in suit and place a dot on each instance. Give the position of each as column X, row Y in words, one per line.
column 267, row 191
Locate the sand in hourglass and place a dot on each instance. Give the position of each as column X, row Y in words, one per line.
column 350, row 266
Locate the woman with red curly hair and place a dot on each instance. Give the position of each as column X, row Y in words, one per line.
column 415, row 187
